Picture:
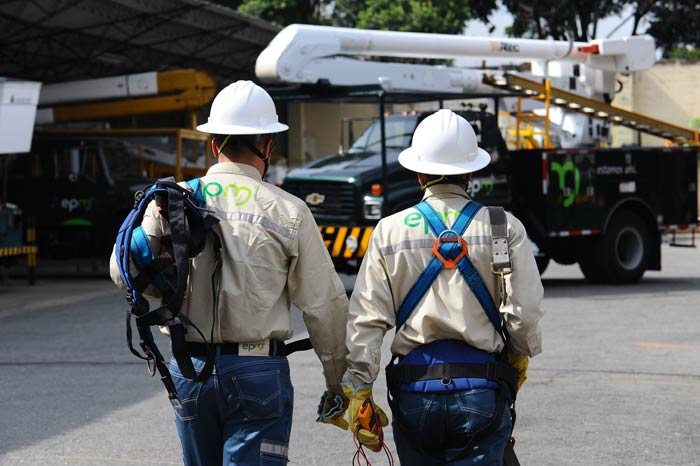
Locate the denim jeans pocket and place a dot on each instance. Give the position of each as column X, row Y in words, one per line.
column 413, row 410
column 259, row 394
column 188, row 393
column 474, row 408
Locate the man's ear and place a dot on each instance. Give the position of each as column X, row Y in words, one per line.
column 267, row 147
column 214, row 148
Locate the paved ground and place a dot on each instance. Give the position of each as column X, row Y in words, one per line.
column 617, row 384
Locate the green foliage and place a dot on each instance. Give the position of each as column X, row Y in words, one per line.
column 684, row 53
column 285, row 12
column 446, row 16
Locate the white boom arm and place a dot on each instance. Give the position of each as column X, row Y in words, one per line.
column 309, row 54
column 115, row 87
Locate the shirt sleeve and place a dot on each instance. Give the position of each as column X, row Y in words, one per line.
column 314, row 287
column 371, row 314
column 523, row 306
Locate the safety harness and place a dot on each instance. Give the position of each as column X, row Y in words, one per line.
column 450, row 252
column 188, row 223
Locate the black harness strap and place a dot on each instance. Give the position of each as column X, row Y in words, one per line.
column 299, row 345
column 494, row 371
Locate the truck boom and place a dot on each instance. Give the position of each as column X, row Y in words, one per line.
column 307, row 54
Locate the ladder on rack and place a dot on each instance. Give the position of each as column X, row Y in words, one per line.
column 593, row 108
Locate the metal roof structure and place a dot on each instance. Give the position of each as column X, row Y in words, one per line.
column 61, row 40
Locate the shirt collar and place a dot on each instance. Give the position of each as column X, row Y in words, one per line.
column 234, row 168
column 445, row 190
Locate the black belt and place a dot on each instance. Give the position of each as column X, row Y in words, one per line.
column 498, row 372
column 277, row 348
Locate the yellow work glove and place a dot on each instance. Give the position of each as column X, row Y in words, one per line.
column 332, row 408
column 519, row 363
column 357, row 396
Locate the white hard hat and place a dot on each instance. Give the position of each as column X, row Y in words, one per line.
column 242, row 107
column 444, row 143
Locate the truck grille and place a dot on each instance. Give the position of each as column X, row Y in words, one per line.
column 333, row 199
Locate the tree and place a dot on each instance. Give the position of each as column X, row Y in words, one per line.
column 559, row 19
column 284, row 12
column 674, row 25
column 446, row 16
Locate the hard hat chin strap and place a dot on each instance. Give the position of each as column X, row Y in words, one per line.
column 432, row 182
column 253, row 149
column 257, row 152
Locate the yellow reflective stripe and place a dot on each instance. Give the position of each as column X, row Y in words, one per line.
column 325, row 233
column 365, row 242
column 18, row 250
column 339, row 241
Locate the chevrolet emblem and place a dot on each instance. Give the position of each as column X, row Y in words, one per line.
column 315, row 199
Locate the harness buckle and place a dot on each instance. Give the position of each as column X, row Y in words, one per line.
column 502, row 269
column 449, row 263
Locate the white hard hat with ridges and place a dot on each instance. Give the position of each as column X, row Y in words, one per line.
column 444, row 143
column 242, row 107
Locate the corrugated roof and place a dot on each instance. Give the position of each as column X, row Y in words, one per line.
column 60, row 40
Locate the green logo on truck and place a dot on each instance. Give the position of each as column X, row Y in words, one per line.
column 561, row 170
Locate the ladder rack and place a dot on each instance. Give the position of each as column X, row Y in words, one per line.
column 594, row 108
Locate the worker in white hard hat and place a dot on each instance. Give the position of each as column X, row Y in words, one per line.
column 266, row 254
column 459, row 283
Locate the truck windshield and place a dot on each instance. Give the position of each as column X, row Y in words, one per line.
column 399, row 129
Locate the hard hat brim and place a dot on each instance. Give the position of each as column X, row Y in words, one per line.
column 213, row 128
column 409, row 159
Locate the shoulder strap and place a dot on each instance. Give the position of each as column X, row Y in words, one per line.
column 435, row 266
column 499, row 240
column 463, row 264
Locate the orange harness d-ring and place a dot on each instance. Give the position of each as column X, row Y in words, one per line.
column 450, row 263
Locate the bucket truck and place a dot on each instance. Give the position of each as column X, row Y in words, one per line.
column 605, row 208
column 78, row 182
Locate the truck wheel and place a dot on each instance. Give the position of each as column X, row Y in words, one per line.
column 621, row 255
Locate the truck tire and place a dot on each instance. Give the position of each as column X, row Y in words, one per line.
column 621, row 254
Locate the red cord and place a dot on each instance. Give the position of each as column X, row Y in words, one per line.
column 360, row 453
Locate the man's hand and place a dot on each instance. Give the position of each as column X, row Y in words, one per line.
column 361, row 398
column 332, row 408
column 520, row 364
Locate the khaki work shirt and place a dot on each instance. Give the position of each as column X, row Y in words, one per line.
column 272, row 256
column 400, row 249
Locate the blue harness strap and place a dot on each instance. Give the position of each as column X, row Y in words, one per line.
column 449, row 246
column 185, row 208
column 435, row 266
column 449, row 251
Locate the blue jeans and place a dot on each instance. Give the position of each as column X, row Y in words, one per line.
column 435, row 427
column 241, row 415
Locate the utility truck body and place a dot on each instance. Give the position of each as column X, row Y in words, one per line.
column 605, row 208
